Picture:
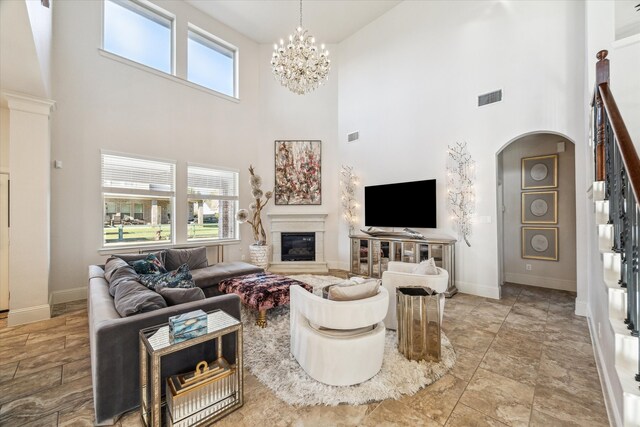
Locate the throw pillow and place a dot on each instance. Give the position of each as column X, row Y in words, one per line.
column 132, row 298
column 150, row 265
column 427, row 267
column 194, row 257
column 180, row 278
column 363, row 290
column 117, row 271
column 129, row 258
column 175, row 296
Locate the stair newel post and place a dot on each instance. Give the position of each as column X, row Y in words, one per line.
column 602, row 76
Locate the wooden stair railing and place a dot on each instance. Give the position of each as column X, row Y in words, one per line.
column 618, row 165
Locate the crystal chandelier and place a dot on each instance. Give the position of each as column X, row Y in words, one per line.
column 299, row 65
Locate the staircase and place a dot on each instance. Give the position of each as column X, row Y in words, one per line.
column 617, row 215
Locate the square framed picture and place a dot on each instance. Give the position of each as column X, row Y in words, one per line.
column 540, row 243
column 540, row 172
column 298, row 176
column 540, row 207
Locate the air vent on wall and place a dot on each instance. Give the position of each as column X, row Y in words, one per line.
column 490, row 98
column 353, row 136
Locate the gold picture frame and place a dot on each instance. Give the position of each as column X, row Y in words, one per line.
column 540, row 243
column 540, row 172
column 539, row 207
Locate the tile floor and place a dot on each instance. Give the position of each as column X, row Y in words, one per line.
column 525, row 360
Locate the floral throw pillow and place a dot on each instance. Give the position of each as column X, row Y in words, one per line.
column 180, row 278
column 150, row 265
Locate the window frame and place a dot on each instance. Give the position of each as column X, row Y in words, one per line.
column 150, row 11
column 215, row 41
column 235, row 198
column 132, row 194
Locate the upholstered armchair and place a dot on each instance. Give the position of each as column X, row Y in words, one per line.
column 401, row 274
column 338, row 342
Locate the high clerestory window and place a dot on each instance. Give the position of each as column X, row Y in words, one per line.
column 140, row 31
column 211, row 62
column 212, row 196
column 138, row 196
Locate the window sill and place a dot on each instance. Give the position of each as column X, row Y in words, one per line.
column 152, row 247
column 170, row 77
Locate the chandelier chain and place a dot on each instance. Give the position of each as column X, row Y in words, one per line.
column 300, row 13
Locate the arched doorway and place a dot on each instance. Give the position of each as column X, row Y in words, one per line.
column 536, row 211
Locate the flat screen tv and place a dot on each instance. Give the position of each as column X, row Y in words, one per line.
column 404, row 204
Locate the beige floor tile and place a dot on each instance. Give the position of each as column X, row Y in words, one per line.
column 7, row 371
column 542, row 304
column 499, row 397
column 467, row 299
column 463, row 416
column 47, row 360
column 568, row 330
column 75, row 370
column 530, row 310
column 525, row 323
column 466, row 363
column 395, row 413
column 568, row 407
column 50, row 324
column 19, row 387
column 464, row 334
column 48, row 401
column 63, row 331
column 11, row 341
column 438, row 400
column 32, row 421
column 337, row 416
column 78, row 416
column 570, row 354
column 520, row 368
column 540, row 419
column 583, row 382
column 131, row 419
column 42, row 349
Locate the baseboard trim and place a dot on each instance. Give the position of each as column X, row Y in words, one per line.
column 542, row 282
column 615, row 419
column 36, row 313
column 581, row 308
column 68, row 295
column 479, row 290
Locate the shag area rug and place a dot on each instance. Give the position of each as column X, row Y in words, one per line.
column 267, row 356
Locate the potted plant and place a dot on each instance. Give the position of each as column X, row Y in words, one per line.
column 258, row 251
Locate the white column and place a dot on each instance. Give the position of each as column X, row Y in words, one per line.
column 29, row 232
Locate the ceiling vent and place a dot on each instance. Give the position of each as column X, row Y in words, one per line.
column 490, row 98
column 353, row 136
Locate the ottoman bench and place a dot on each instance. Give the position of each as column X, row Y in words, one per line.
column 261, row 291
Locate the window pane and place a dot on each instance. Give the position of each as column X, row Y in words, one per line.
column 210, row 65
column 139, row 174
column 137, row 33
column 152, row 224
column 211, row 182
column 212, row 219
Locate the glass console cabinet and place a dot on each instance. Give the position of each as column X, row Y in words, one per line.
column 370, row 255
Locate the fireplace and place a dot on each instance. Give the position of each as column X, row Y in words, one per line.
column 298, row 243
column 298, row 246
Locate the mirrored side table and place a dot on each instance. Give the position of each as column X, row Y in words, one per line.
column 155, row 344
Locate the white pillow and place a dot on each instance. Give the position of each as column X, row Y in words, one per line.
column 363, row 290
column 427, row 267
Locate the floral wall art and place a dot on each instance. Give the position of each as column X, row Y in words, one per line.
column 298, row 177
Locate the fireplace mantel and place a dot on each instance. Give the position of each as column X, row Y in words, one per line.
column 297, row 222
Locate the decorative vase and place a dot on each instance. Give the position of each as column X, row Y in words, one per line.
column 259, row 255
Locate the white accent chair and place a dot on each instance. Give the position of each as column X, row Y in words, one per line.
column 401, row 274
column 338, row 342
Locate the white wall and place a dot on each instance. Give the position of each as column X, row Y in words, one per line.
column 559, row 274
column 409, row 82
column 41, row 26
column 287, row 116
column 105, row 104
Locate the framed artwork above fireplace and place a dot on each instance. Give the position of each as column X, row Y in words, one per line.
column 298, row 173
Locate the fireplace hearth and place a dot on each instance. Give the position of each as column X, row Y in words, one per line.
column 298, row 246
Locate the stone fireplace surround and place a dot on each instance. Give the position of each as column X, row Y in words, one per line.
column 301, row 223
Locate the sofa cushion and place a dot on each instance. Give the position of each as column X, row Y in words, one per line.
column 117, row 271
column 129, row 258
column 180, row 278
column 131, row 298
column 149, row 265
column 175, row 296
column 194, row 257
column 366, row 289
column 212, row 275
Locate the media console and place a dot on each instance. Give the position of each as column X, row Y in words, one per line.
column 370, row 255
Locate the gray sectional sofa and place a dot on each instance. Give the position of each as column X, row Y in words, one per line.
column 114, row 339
